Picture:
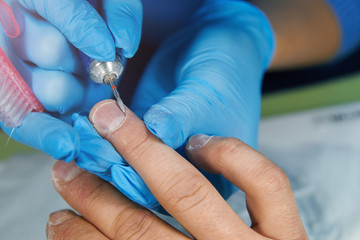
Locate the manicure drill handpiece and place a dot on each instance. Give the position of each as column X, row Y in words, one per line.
column 106, row 73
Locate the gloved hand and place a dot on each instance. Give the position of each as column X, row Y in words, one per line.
column 204, row 79
column 207, row 78
column 45, row 55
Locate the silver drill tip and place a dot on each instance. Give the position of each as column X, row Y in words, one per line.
column 119, row 102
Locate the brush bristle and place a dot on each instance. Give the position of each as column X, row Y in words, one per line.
column 13, row 108
column 16, row 98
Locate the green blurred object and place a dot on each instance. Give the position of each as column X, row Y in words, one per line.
column 12, row 148
column 339, row 91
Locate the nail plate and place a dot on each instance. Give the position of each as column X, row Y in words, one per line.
column 59, row 217
column 107, row 117
column 63, row 172
column 197, row 141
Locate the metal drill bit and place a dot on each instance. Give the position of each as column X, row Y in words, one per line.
column 117, row 95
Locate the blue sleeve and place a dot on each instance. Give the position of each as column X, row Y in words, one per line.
column 347, row 13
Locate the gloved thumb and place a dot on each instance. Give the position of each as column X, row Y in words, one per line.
column 192, row 108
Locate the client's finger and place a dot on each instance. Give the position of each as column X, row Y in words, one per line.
column 180, row 188
column 269, row 197
column 65, row 224
column 106, row 208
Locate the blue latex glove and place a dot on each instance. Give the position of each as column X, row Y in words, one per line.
column 204, row 79
column 98, row 156
column 46, row 56
column 207, row 78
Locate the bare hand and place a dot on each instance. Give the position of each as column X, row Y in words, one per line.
column 180, row 188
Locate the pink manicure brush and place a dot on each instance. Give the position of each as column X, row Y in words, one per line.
column 16, row 98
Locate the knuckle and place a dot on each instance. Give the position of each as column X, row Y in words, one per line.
column 186, row 191
column 271, row 179
column 138, row 146
column 228, row 149
column 135, row 225
column 89, row 197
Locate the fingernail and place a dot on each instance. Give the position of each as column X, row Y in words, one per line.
column 197, row 141
column 64, row 172
column 107, row 117
column 59, row 217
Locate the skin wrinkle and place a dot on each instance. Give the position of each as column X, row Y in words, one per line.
column 137, row 151
column 270, row 179
column 141, row 226
column 120, row 222
column 191, row 188
column 88, row 199
column 228, row 150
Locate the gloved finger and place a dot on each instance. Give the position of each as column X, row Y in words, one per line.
column 66, row 224
column 213, row 82
column 96, row 154
column 182, row 190
column 124, row 18
column 197, row 106
column 80, row 23
column 199, row 92
column 208, row 90
column 50, row 135
column 99, row 157
column 42, row 44
column 95, row 93
column 106, row 208
column 269, row 197
column 58, row 91
column 159, row 77
column 129, row 182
